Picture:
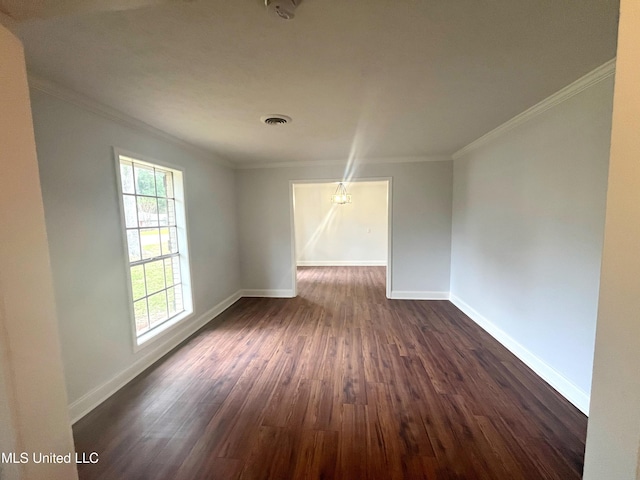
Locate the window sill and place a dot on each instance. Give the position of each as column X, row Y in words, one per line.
column 160, row 332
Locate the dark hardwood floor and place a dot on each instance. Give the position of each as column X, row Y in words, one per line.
column 337, row 383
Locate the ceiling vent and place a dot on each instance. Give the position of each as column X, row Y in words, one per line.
column 275, row 120
column 283, row 9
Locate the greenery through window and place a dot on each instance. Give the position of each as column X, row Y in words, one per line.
column 148, row 194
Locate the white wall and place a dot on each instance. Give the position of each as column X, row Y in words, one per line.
column 350, row 234
column 613, row 436
column 87, row 253
column 528, row 219
column 421, row 226
column 33, row 400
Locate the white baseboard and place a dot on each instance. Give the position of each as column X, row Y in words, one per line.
column 418, row 295
column 95, row 397
column 288, row 293
column 559, row 382
column 342, row 263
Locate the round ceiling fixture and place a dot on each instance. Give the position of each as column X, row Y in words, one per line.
column 275, row 119
column 283, row 9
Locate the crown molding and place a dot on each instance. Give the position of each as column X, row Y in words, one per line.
column 604, row 71
column 342, row 162
column 55, row 90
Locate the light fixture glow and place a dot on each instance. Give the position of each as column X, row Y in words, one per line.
column 341, row 196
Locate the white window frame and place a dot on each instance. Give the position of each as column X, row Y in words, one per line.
column 183, row 244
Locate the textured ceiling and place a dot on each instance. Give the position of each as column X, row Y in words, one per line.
column 374, row 78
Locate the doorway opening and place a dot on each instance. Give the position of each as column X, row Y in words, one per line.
column 329, row 234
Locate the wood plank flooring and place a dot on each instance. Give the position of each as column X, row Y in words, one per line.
column 341, row 383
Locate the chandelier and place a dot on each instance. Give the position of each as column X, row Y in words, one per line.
column 341, row 196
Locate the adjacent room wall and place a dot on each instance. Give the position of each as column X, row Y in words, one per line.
column 421, row 229
column 528, row 219
column 33, row 400
column 613, row 436
column 350, row 234
column 87, row 254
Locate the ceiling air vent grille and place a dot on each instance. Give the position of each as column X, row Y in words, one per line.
column 276, row 120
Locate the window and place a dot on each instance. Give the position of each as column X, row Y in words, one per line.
column 155, row 230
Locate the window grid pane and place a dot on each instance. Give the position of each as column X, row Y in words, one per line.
column 150, row 242
column 133, row 244
column 168, row 272
column 163, row 216
column 161, row 182
column 145, row 180
column 130, row 211
column 170, row 190
column 179, row 304
column 154, row 257
column 171, row 212
column 138, row 285
column 177, row 278
column 154, row 276
column 171, row 301
column 147, row 211
column 126, row 173
column 142, row 316
column 158, row 308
